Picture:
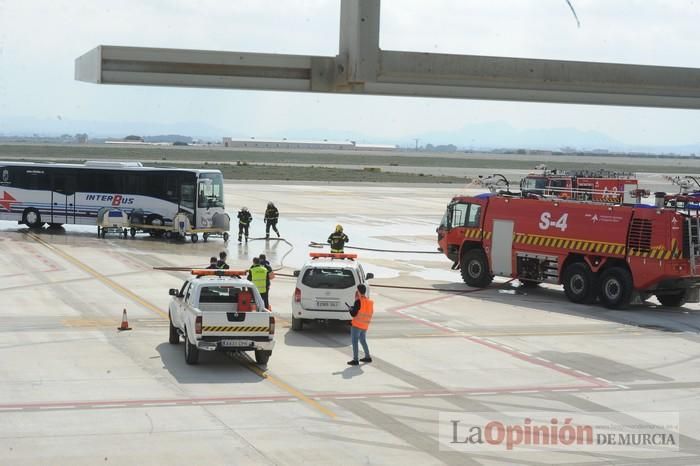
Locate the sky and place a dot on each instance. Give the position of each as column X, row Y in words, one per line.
column 40, row 39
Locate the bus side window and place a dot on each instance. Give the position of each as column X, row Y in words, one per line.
column 187, row 196
column 474, row 216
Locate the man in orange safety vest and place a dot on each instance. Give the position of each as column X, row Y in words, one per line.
column 361, row 313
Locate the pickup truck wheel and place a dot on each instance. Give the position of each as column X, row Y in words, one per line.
column 262, row 356
column 616, row 288
column 475, row 269
column 297, row 324
column 191, row 352
column 174, row 338
column 579, row 283
column 672, row 300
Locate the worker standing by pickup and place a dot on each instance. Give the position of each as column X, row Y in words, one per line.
column 361, row 313
column 260, row 276
column 244, row 219
column 337, row 240
column 272, row 215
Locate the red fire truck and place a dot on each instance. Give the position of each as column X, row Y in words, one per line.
column 584, row 185
column 615, row 253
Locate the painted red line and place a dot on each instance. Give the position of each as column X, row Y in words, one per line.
column 523, row 357
column 108, row 404
column 139, row 402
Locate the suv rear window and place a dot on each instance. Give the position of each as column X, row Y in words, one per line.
column 334, row 279
column 219, row 294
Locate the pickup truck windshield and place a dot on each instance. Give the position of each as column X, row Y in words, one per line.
column 219, row 294
column 335, row 279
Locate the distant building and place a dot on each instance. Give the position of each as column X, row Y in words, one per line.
column 253, row 143
column 81, row 138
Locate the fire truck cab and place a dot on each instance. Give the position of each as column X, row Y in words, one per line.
column 611, row 252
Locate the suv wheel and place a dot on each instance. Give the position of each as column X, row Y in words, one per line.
column 191, row 352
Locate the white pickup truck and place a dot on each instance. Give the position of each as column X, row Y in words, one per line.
column 216, row 310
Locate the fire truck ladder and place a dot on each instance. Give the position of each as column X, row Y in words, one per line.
column 692, row 238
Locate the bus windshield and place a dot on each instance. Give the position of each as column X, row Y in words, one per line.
column 211, row 190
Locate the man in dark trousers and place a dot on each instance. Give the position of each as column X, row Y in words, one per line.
column 244, row 219
column 361, row 313
column 272, row 215
column 260, row 276
column 337, row 240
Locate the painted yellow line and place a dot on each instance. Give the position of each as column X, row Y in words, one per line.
column 289, row 389
column 117, row 287
column 110, row 283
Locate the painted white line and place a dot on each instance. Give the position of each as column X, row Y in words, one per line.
column 394, row 396
column 57, row 407
column 582, row 373
column 624, row 387
column 350, row 397
column 525, row 391
column 208, row 402
column 164, row 403
column 603, row 388
column 566, row 389
column 524, row 353
column 422, row 319
column 256, row 401
column 437, row 394
column 109, row 405
column 542, row 359
column 603, row 380
column 486, row 393
column 562, row 366
column 11, row 409
column 451, row 329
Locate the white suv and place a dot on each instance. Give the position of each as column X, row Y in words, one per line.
column 325, row 286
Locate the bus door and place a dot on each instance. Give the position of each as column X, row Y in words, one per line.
column 63, row 198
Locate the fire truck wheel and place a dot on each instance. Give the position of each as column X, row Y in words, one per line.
column 672, row 300
column 475, row 269
column 615, row 288
column 579, row 283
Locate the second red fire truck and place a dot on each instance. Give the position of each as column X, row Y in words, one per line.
column 614, row 253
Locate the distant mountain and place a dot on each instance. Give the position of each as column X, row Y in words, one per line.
column 488, row 135
column 27, row 126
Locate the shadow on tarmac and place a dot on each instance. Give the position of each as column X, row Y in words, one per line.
column 333, row 334
column 213, row 367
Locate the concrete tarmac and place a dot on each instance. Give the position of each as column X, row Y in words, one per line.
column 75, row 391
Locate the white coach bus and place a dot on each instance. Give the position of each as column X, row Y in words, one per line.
column 55, row 193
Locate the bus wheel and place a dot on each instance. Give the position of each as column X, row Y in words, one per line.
column 579, row 283
column 205, row 236
column 475, row 269
column 616, row 288
column 194, row 238
column 32, row 218
column 226, row 237
column 133, row 232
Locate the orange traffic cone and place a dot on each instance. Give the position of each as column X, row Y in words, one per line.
column 125, row 322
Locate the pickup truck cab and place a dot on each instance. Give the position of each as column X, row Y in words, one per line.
column 326, row 285
column 216, row 310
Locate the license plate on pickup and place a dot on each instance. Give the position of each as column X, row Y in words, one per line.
column 327, row 304
column 236, row 343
